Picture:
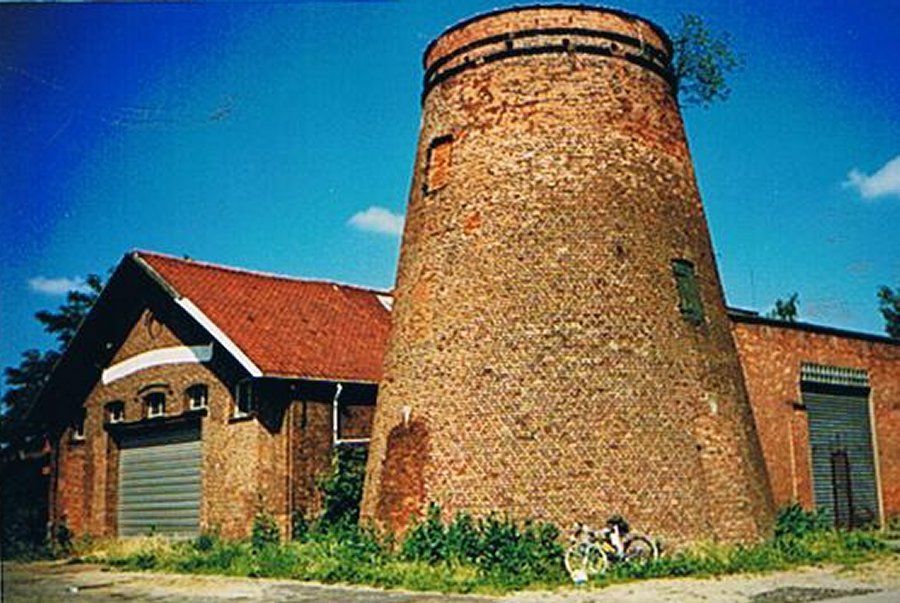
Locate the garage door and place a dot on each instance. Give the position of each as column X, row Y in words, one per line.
column 159, row 484
column 840, row 438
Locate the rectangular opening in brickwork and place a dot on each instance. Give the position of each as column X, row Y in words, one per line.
column 244, row 400
column 197, row 396
column 78, row 432
column 156, row 404
column 115, row 412
column 689, row 302
column 437, row 164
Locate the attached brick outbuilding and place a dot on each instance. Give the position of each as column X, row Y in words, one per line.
column 195, row 394
column 826, row 403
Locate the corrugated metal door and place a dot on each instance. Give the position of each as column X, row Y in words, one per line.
column 159, row 484
column 840, row 438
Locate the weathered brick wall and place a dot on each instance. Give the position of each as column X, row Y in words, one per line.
column 68, row 500
column 270, row 461
column 537, row 343
column 312, row 454
column 356, row 421
column 244, row 461
column 771, row 357
column 312, row 447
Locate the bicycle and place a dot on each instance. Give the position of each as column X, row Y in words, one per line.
column 591, row 551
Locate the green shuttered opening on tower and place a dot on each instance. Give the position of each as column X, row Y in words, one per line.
column 689, row 302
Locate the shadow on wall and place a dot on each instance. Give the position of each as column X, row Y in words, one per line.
column 403, row 493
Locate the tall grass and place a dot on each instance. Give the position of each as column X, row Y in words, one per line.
column 491, row 555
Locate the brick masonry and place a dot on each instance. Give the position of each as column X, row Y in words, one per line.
column 537, row 346
column 771, row 356
column 272, row 459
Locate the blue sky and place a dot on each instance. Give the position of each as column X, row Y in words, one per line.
column 252, row 134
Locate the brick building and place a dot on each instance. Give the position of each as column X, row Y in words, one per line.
column 194, row 394
column 826, row 404
column 260, row 436
column 560, row 347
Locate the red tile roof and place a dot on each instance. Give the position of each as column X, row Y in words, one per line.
column 286, row 326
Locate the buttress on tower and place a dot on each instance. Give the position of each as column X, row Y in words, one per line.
column 560, row 348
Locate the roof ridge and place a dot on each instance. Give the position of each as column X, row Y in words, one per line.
column 260, row 273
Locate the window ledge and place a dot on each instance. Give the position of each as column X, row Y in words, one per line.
column 241, row 418
column 162, row 422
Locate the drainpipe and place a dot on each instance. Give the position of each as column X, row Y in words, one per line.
column 336, row 439
column 335, row 415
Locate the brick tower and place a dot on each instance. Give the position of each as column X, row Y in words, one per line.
column 560, row 348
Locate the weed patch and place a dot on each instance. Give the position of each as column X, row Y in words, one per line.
column 492, row 555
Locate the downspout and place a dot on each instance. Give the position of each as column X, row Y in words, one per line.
column 336, row 415
column 289, row 462
column 336, row 439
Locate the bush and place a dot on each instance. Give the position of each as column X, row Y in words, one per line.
column 61, row 538
column 265, row 530
column 342, row 488
column 426, row 540
column 793, row 521
column 205, row 542
column 300, row 527
column 463, row 540
column 502, row 551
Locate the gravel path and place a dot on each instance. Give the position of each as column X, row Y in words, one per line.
column 38, row 582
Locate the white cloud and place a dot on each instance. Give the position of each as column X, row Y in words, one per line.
column 883, row 183
column 378, row 219
column 55, row 286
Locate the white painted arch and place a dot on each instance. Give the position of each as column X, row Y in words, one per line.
column 180, row 354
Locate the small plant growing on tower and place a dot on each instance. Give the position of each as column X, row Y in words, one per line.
column 701, row 62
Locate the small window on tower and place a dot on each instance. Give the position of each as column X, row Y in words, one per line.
column 115, row 412
column 156, row 404
column 688, row 292
column 197, row 396
column 437, row 164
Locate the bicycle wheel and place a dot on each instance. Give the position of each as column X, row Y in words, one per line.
column 586, row 557
column 639, row 549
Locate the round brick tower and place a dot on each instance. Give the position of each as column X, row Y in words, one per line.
column 560, row 348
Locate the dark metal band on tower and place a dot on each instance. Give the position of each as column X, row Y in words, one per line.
column 560, row 348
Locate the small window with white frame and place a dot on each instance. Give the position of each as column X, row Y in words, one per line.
column 78, row 432
column 197, row 396
column 115, row 412
column 156, row 404
column 244, row 401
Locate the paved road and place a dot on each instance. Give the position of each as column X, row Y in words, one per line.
column 40, row 582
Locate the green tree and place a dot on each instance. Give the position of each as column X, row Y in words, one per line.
column 786, row 310
column 24, row 382
column 889, row 305
column 702, row 61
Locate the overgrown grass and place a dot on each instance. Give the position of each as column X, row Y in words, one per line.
column 492, row 555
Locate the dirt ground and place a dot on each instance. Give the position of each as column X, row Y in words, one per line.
column 877, row 582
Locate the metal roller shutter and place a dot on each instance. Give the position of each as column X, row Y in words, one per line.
column 840, row 439
column 159, row 484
